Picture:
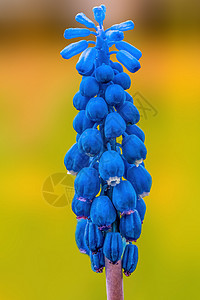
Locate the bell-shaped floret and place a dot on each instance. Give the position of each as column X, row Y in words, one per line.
column 76, row 32
column 90, row 142
column 87, row 183
column 129, row 61
column 89, row 87
column 113, row 247
column 123, row 79
column 81, row 207
column 111, row 167
column 80, row 101
column 73, row 49
column 104, row 73
column 124, row 26
column 129, row 113
column 134, row 129
column 129, row 98
column 124, row 197
column 140, row 179
column 133, row 149
column 141, row 208
column 97, row 261
column 99, row 13
column 74, row 160
column 93, row 237
column 81, row 122
column 115, row 94
column 79, row 236
column 116, row 66
column 96, row 109
column 82, row 19
column 130, row 259
column 114, row 35
column 85, row 64
column 114, row 125
column 102, row 212
column 121, row 45
column 130, row 226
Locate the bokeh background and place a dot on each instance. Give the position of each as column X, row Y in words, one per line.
column 38, row 255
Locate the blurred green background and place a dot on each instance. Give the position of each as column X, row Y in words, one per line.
column 38, row 255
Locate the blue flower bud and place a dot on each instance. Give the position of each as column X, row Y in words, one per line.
column 113, row 247
column 102, row 212
column 141, row 208
column 130, row 259
column 116, row 66
column 73, row 49
column 96, row 109
column 82, row 19
column 129, row 98
column 97, row 261
column 76, row 32
column 114, row 35
column 129, row 48
column 80, row 101
column 129, row 61
column 129, row 113
column 85, row 64
column 114, row 125
column 81, row 207
column 134, row 129
column 115, row 94
column 93, row 237
column 104, row 73
column 111, row 167
column 124, row 197
column 87, row 183
column 79, row 236
column 89, row 87
column 130, row 226
column 133, row 149
column 81, row 122
column 140, row 179
column 123, row 79
column 74, row 160
column 99, row 14
column 124, row 26
column 90, row 142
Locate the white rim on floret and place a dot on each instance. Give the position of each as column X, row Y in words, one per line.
column 113, row 181
column 71, row 172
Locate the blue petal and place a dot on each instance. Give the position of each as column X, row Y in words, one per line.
column 86, row 60
column 129, row 61
column 82, row 19
column 73, row 49
column 76, row 32
column 121, row 45
column 124, row 26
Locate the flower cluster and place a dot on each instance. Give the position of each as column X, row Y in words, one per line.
column 111, row 179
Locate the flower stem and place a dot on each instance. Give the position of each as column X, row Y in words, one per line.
column 114, row 281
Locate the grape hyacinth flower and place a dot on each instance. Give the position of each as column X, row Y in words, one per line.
column 111, row 179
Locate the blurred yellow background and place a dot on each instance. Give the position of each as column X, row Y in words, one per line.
column 38, row 254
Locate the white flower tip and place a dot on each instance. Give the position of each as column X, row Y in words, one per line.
column 138, row 162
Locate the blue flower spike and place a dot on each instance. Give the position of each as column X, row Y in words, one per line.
column 111, row 179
